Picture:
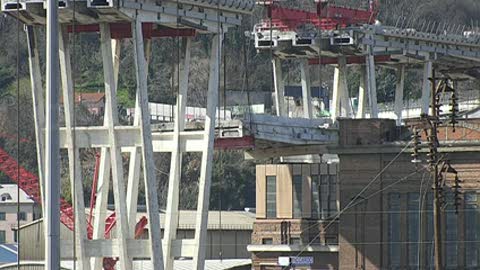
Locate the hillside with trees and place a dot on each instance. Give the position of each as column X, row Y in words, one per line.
column 232, row 175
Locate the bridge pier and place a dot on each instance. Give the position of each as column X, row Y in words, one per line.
column 74, row 165
column 341, row 102
column 371, row 83
column 399, row 89
column 279, row 85
column 306, row 90
column 362, row 94
column 171, row 219
column 207, row 155
column 427, row 85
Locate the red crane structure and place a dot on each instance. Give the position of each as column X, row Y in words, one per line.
column 327, row 17
column 29, row 183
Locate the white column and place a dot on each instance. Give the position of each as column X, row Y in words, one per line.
column 207, row 157
column 115, row 151
column 74, row 164
column 340, row 103
column 149, row 175
column 171, row 215
column 306, row 90
column 427, row 86
column 362, row 94
column 38, row 104
column 335, row 107
column 399, row 94
column 372, row 85
column 135, row 157
column 103, row 184
column 346, row 105
column 279, row 88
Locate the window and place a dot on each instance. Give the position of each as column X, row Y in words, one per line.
column 429, row 247
column 316, row 197
column 267, row 241
column 297, row 196
column 271, row 197
column 5, row 197
column 394, row 230
column 413, row 220
column 324, row 196
column 295, row 241
column 331, row 240
column 451, row 234
column 3, row 237
column 22, row 216
column 471, row 232
column 2, row 216
column 332, row 194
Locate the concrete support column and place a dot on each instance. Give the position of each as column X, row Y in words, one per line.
column 103, row 184
column 427, row 86
column 74, row 165
column 399, row 94
column 149, row 175
column 38, row 104
column 362, row 93
column 372, row 85
column 172, row 215
column 207, row 156
column 279, row 84
column 341, row 102
column 306, row 90
column 135, row 154
column 119, row 187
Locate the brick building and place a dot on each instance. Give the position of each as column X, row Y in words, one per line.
column 295, row 206
column 388, row 221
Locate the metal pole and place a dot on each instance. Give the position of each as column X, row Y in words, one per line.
column 52, row 152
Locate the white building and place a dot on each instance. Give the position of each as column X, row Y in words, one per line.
column 27, row 211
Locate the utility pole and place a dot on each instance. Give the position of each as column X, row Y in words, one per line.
column 438, row 166
column 434, row 163
column 52, row 150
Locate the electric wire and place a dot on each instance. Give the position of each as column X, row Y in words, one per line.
column 222, row 35
column 349, row 205
column 73, row 114
column 18, row 132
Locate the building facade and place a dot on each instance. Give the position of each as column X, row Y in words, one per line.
column 228, row 235
column 387, row 221
column 26, row 208
column 374, row 211
column 296, row 207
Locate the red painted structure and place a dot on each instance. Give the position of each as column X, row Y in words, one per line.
column 124, row 30
column 327, row 17
column 29, row 183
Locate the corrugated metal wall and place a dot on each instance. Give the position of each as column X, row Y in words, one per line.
column 233, row 244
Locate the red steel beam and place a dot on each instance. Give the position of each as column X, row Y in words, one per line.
column 124, row 30
column 245, row 142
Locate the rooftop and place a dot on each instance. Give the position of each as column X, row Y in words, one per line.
column 231, row 220
column 8, row 194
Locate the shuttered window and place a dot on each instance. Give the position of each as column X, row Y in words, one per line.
column 394, row 230
column 271, row 197
column 297, row 196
